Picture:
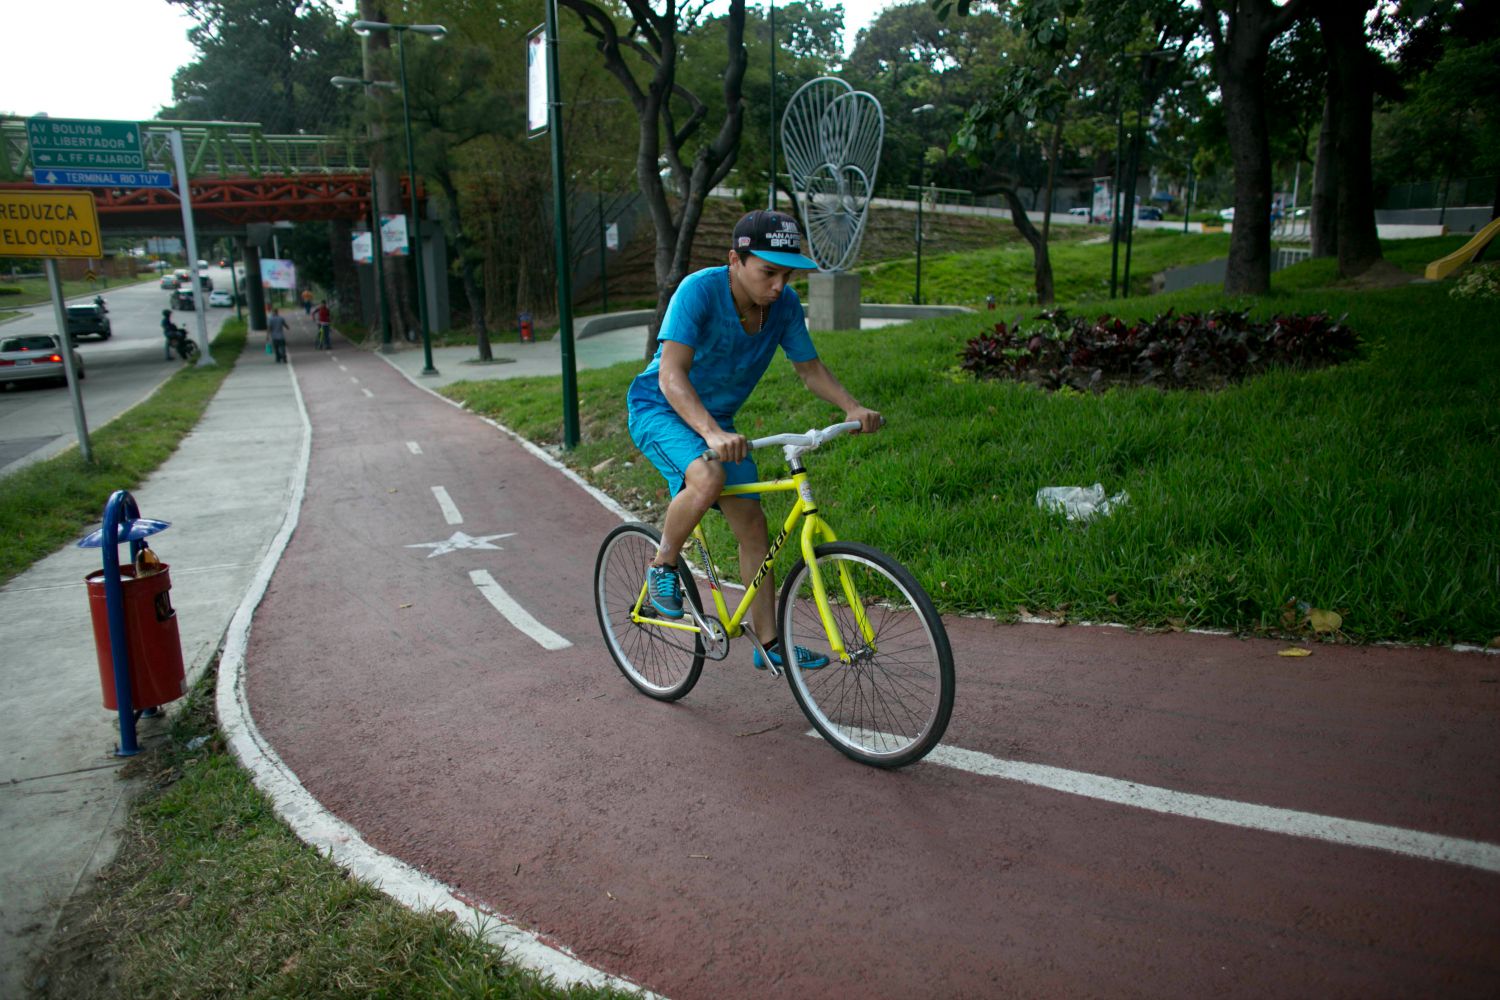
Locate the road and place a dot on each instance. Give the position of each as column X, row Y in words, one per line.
column 1111, row 813
column 36, row 421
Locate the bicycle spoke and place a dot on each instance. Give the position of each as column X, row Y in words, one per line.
column 890, row 702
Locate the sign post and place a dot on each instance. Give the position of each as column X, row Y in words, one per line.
column 191, row 238
column 52, row 224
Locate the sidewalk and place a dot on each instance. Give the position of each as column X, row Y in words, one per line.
column 226, row 493
column 62, row 802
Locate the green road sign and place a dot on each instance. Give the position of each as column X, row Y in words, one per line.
column 89, row 145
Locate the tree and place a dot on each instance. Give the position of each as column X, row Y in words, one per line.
column 266, row 61
column 1348, row 111
column 447, row 113
column 652, row 42
column 1240, row 33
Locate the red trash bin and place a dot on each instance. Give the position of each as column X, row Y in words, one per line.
column 154, row 650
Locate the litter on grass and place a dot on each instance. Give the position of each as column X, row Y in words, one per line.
column 1079, row 503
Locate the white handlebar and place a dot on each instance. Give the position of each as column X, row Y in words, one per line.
column 796, row 443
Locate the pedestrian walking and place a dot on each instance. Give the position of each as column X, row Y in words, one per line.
column 307, row 298
column 324, row 341
column 276, row 331
column 166, row 334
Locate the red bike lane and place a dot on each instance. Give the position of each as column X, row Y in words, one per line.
column 711, row 848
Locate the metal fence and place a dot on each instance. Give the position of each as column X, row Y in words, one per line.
column 1461, row 191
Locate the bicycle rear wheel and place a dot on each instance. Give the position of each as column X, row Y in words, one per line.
column 889, row 704
column 661, row 662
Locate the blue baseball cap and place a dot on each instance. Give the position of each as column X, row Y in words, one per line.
column 774, row 237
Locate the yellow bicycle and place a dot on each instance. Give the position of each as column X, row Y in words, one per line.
column 886, row 694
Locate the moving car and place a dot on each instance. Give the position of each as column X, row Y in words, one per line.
column 182, row 298
column 88, row 319
column 35, row 357
column 1149, row 213
column 1227, row 214
column 221, row 297
column 1084, row 212
column 169, row 282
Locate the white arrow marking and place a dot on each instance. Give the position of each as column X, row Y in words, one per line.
column 514, row 613
column 414, row 448
column 450, row 509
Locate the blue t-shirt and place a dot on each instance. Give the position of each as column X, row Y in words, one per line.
column 727, row 362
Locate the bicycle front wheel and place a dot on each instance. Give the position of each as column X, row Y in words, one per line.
column 661, row 662
column 888, row 704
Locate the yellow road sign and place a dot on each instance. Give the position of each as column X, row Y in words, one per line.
column 49, row 224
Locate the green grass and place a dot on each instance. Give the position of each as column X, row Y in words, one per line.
column 1372, row 489
column 34, row 290
column 211, row 895
column 1079, row 271
column 47, row 505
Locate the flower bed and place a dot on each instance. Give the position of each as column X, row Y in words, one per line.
column 1172, row 351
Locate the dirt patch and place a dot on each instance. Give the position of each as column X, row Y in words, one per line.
column 1381, row 274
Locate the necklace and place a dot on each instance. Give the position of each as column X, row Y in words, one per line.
column 745, row 316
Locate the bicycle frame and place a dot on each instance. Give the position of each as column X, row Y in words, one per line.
column 814, row 529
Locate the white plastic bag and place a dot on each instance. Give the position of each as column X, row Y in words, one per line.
column 1079, row 503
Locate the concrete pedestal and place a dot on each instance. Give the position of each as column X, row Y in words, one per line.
column 833, row 300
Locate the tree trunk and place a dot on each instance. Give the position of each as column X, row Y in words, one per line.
column 1241, row 41
column 466, row 266
column 1325, row 196
column 1249, row 268
column 1041, row 260
column 345, row 277
column 1351, row 91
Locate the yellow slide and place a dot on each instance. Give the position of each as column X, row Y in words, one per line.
column 1444, row 266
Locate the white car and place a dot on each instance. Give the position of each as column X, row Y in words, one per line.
column 1227, row 214
column 35, row 358
column 220, row 297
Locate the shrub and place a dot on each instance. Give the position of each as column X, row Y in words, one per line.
column 1480, row 281
column 10, row 289
column 1171, row 351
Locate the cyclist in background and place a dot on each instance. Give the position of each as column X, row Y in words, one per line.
column 324, row 341
column 720, row 333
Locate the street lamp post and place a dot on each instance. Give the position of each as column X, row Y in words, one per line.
column 377, row 249
column 921, row 164
column 432, row 31
column 772, row 178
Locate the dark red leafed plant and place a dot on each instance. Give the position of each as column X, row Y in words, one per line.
column 1170, row 351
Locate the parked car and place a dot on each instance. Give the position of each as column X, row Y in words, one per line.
column 1081, row 212
column 1149, row 213
column 221, row 297
column 88, row 319
column 1227, row 214
column 35, row 357
column 183, row 298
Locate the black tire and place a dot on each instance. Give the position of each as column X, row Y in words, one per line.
column 890, row 704
column 662, row 663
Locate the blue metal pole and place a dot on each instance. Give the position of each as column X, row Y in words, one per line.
column 114, row 603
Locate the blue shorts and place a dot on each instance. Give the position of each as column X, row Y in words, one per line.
column 672, row 446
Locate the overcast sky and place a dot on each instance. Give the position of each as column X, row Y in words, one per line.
column 114, row 59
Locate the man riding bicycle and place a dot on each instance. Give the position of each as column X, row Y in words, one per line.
column 720, row 332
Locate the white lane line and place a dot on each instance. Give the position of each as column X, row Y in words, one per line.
column 367, row 392
column 413, row 447
column 341, row 367
column 514, row 613
column 450, row 510
column 354, row 379
column 1350, row 832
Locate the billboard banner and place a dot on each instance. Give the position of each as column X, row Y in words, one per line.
column 393, row 236
column 1103, row 196
column 536, row 81
column 278, row 274
column 363, row 248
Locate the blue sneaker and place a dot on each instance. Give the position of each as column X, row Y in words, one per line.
column 664, row 588
column 806, row 659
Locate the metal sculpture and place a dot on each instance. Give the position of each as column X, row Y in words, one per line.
column 831, row 136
